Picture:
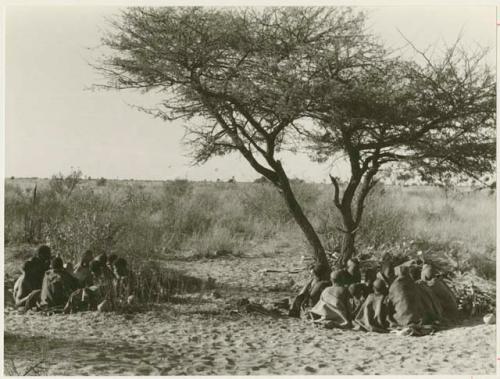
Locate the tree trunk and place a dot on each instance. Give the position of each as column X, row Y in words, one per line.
column 347, row 250
column 306, row 227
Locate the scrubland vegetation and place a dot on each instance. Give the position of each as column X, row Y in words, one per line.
column 150, row 221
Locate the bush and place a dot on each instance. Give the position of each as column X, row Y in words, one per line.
column 101, row 182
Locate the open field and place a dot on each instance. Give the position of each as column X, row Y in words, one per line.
column 231, row 233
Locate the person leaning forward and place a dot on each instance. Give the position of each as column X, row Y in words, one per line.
column 57, row 285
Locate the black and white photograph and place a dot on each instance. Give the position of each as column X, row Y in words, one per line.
column 249, row 189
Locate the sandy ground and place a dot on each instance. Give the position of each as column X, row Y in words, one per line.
column 204, row 335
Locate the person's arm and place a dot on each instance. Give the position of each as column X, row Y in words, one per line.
column 390, row 312
column 23, row 288
column 299, row 300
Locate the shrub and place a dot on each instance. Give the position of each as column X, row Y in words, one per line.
column 101, row 182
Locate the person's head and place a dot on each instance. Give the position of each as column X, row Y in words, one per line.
column 339, row 277
column 318, row 270
column 387, row 270
column 352, row 266
column 120, row 267
column 111, row 259
column 44, row 254
column 68, row 266
column 95, row 268
column 369, row 276
column 57, row 264
column 356, row 290
column 87, row 256
column 379, row 287
column 415, row 272
column 102, row 259
column 402, row 271
column 352, row 262
column 428, row 272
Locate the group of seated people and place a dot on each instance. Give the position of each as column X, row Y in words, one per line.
column 46, row 283
column 408, row 295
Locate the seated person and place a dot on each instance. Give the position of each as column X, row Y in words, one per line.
column 369, row 277
column 372, row 317
column 82, row 271
column 386, row 273
column 110, row 261
column 310, row 293
column 40, row 264
column 357, row 292
column 57, row 285
column 406, row 302
column 353, row 271
column 124, row 280
column 333, row 304
column 100, row 288
column 68, row 266
column 102, row 260
column 445, row 296
column 24, row 284
column 415, row 272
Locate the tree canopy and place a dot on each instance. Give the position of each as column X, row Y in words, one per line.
column 263, row 80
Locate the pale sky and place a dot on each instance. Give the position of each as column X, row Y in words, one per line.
column 53, row 123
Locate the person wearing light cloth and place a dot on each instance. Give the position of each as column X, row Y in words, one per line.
column 24, row 285
column 386, row 273
column 372, row 317
column 445, row 296
column 333, row 304
column 311, row 292
column 369, row 277
column 57, row 285
column 407, row 302
column 100, row 289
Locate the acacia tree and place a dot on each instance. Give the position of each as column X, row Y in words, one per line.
column 249, row 75
column 435, row 118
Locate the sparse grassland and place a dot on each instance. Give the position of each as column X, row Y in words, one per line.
column 157, row 220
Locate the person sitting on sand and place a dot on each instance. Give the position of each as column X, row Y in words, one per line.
column 357, row 292
column 311, row 292
column 57, row 285
column 100, row 288
column 386, row 273
column 111, row 261
column 369, row 277
column 407, row 303
column 68, row 266
column 106, row 270
column 124, row 281
column 353, row 271
column 333, row 304
column 443, row 293
column 82, row 271
column 372, row 317
column 24, row 285
column 40, row 264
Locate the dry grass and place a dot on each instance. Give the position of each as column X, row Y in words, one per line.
column 154, row 220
